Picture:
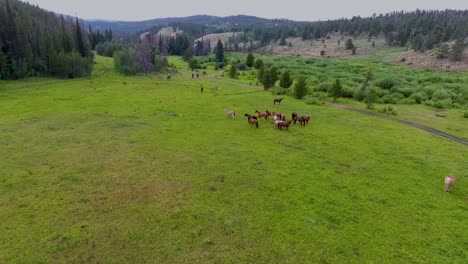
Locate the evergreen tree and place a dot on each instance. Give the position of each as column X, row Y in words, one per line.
column 335, row 90
column 233, row 71
column 258, row 64
column 285, row 80
column 349, row 44
column 370, row 99
column 260, row 73
column 456, row 53
column 219, row 51
column 273, row 75
column 250, row 60
column 443, row 51
column 300, row 88
column 80, row 44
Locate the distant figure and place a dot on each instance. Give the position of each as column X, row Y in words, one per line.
column 193, row 75
column 198, row 75
column 201, row 88
column 168, row 76
column 449, row 182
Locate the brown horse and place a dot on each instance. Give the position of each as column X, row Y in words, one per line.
column 283, row 124
column 262, row 115
column 250, row 116
column 277, row 100
column 294, row 117
column 253, row 121
column 303, row 120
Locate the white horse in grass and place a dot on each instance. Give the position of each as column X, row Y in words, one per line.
column 449, row 182
column 230, row 113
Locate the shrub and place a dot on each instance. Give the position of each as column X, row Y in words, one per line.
column 280, row 91
column 387, row 83
column 417, row 97
column 465, row 115
column 242, row 67
column 313, row 101
column 347, row 92
column 323, row 87
column 388, row 109
column 300, row 89
column 440, row 94
column 126, row 61
column 407, row 92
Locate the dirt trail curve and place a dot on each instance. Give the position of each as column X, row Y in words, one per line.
column 425, row 128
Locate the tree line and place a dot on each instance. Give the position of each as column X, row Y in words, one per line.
column 35, row 42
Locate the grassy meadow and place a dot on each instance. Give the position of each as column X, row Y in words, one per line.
column 116, row 169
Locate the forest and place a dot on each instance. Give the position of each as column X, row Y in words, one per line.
column 35, row 42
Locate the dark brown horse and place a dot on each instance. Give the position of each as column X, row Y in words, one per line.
column 294, row 117
column 277, row 100
column 303, row 120
column 262, row 115
column 252, row 120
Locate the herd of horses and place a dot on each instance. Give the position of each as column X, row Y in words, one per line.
column 279, row 118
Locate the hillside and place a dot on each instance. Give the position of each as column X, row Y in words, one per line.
column 332, row 46
column 120, row 27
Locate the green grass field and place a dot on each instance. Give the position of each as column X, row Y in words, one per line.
column 116, row 169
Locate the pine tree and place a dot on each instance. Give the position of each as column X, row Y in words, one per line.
column 219, row 51
column 261, row 72
column 285, row 80
column 258, row 64
column 267, row 79
column 349, row 44
column 80, row 45
column 250, row 60
column 273, row 75
column 370, row 99
column 456, row 53
column 233, row 71
column 335, row 90
column 443, row 51
column 300, row 88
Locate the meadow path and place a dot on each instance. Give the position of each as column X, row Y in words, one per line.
column 340, row 106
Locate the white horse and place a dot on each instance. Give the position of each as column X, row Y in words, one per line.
column 449, row 182
column 230, row 113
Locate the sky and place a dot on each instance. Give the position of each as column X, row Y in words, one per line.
column 303, row 10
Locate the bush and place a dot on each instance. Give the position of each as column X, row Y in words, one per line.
column 465, row 115
column 440, row 94
column 126, row 61
column 242, row 67
column 280, row 91
column 108, row 48
column 347, row 92
column 407, row 92
column 417, row 97
column 387, row 83
column 313, row 101
column 70, row 65
column 323, row 87
column 388, row 110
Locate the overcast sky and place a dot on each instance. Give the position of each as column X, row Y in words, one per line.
column 309, row 10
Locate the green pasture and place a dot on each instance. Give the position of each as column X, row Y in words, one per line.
column 116, row 169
